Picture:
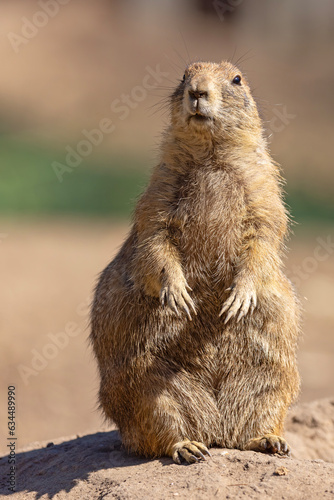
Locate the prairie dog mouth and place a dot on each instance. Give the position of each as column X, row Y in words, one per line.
column 199, row 118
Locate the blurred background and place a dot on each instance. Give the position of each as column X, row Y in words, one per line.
column 82, row 107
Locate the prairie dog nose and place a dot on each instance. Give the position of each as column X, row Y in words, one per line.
column 197, row 94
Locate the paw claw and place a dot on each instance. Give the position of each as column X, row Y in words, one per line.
column 176, row 296
column 228, row 317
column 269, row 444
column 176, row 458
column 163, row 297
column 241, row 315
column 190, row 451
column 240, row 301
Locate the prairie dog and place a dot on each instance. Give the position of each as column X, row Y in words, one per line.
column 194, row 324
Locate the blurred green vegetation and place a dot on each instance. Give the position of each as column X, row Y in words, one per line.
column 98, row 186
column 106, row 186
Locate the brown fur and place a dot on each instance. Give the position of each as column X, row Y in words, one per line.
column 207, row 235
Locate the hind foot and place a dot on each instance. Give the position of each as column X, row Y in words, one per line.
column 190, row 451
column 270, row 443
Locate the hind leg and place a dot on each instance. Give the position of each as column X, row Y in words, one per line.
column 259, row 379
column 171, row 416
column 164, row 426
column 253, row 418
column 270, row 442
column 256, row 423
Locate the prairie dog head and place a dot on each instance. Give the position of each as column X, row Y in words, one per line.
column 213, row 99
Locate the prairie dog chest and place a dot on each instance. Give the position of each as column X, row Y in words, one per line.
column 206, row 222
column 209, row 207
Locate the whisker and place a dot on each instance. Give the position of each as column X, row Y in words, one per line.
column 185, row 46
column 234, row 52
column 242, row 58
column 173, row 63
column 180, row 56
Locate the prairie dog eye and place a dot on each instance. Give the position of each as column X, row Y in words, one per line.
column 184, row 78
column 237, row 80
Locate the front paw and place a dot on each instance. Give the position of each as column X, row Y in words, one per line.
column 241, row 300
column 176, row 295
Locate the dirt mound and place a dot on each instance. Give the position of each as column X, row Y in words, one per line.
column 310, row 430
column 96, row 466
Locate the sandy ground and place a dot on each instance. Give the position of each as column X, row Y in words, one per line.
column 48, row 271
column 96, row 466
